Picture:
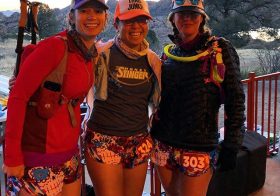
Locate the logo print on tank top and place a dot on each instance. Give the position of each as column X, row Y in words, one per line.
column 131, row 73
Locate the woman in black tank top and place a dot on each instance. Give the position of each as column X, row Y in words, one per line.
column 118, row 144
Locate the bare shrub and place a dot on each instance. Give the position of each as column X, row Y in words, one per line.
column 8, row 57
column 244, row 71
column 269, row 60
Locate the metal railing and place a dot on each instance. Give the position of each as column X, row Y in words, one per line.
column 263, row 96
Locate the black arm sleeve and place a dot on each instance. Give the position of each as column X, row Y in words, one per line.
column 234, row 98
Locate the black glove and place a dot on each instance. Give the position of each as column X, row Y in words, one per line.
column 227, row 159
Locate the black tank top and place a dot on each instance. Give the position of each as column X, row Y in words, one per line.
column 130, row 84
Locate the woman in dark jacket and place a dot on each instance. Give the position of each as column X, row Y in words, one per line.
column 199, row 73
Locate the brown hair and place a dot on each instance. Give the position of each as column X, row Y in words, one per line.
column 71, row 25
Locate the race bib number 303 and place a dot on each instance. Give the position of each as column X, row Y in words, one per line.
column 194, row 160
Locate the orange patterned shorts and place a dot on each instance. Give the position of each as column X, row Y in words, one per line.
column 191, row 163
column 46, row 180
column 128, row 151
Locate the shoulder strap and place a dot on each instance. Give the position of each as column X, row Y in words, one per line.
column 58, row 73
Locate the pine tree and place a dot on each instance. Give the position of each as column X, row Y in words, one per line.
column 47, row 22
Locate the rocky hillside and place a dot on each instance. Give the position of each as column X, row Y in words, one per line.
column 159, row 25
column 8, row 25
column 159, row 10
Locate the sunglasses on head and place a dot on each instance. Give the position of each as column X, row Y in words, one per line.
column 181, row 2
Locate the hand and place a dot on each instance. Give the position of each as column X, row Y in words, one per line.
column 227, row 159
column 154, row 119
column 17, row 171
column 12, row 82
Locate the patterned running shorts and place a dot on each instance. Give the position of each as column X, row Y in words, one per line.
column 191, row 163
column 128, row 151
column 47, row 181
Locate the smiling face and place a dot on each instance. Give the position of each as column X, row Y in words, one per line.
column 187, row 23
column 133, row 31
column 89, row 22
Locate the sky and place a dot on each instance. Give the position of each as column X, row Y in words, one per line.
column 15, row 4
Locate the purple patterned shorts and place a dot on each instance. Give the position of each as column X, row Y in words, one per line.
column 128, row 151
column 46, row 180
column 191, row 163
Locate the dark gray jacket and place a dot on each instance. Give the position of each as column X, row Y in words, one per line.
column 189, row 105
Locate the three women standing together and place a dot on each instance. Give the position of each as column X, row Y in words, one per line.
column 199, row 72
